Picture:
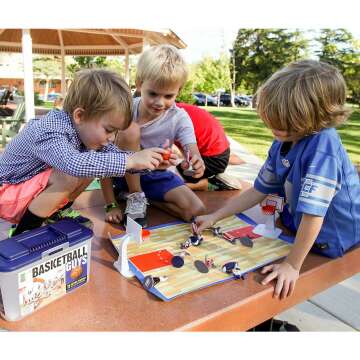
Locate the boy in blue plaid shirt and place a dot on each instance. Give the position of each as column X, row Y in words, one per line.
column 54, row 158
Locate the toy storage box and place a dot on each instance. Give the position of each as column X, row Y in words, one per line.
column 42, row 265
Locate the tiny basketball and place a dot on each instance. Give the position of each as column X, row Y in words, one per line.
column 167, row 155
column 145, row 234
column 76, row 272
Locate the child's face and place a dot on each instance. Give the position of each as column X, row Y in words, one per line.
column 157, row 100
column 98, row 132
column 285, row 136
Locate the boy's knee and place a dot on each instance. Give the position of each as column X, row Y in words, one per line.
column 194, row 209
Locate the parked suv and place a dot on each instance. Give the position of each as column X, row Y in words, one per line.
column 200, row 99
column 225, row 100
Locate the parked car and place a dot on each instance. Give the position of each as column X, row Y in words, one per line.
column 225, row 100
column 243, row 100
column 200, row 99
column 50, row 97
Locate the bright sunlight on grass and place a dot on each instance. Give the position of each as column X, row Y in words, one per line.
column 245, row 126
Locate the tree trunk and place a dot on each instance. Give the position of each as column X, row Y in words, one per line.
column 46, row 89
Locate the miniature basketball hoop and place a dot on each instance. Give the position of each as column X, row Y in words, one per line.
column 135, row 233
column 269, row 206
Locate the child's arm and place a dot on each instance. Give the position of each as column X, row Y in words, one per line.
column 196, row 160
column 287, row 272
column 113, row 213
column 244, row 201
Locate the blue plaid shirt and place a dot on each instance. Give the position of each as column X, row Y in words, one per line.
column 52, row 141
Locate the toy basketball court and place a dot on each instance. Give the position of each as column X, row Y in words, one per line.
column 154, row 256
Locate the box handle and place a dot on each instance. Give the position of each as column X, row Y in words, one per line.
column 54, row 250
column 45, row 244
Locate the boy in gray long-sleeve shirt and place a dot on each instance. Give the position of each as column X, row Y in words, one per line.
column 161, row 73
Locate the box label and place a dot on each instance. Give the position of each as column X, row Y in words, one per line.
column 51, row 279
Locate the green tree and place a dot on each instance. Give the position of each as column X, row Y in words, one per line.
column 259, row 53
column 86, row 62
column 339, row 48
column 185, row 95
column 47, row 68
column 110, row 63
column 212, row 74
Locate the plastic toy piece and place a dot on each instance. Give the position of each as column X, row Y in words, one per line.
column 196, row 240
column 233, row 268
column 133, row 232
column 201, row 266
column 194, row 227
column 186, row 244
column 231, row 240
column 268, row 229
column 150, row 281
column 145, row 235
column 189, row 171
column 246, row 241
column 216, row 231
column 209, row 262
column 122, row 263
column 178, row 260
column 168, row 153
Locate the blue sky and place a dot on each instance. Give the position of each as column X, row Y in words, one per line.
column 206, row 41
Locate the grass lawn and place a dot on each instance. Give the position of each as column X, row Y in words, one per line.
column 245, row 126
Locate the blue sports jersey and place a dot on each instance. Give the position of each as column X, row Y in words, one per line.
column 316, row 177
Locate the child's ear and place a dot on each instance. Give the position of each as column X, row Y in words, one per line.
column 77, row 115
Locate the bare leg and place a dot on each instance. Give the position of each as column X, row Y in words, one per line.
column 201, row 185
column 60, row 187
column 181, row 202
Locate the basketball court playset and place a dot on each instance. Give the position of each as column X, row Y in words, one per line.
column 175, row 260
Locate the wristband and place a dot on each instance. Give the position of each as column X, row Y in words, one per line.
column 111, row 206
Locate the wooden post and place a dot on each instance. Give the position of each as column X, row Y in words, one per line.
column 146, row 43
column 63, row 82
column 28, row 74
column 127, row 68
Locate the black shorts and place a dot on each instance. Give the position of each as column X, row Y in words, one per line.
column 213, row 165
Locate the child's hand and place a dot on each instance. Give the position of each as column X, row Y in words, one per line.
column 145, row 159
column 197, row 165
column 114, row 216
column 286, row 278
column 204, row 221
column 171, row 161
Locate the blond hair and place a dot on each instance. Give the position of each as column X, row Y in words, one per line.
column 99, row 91
column 303, row 98
column 162, row 65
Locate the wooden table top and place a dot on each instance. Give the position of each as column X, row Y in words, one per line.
column 109, row 302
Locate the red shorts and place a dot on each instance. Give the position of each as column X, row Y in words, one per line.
column 15, row 198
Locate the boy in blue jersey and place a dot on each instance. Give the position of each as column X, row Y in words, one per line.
column 307, row 165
